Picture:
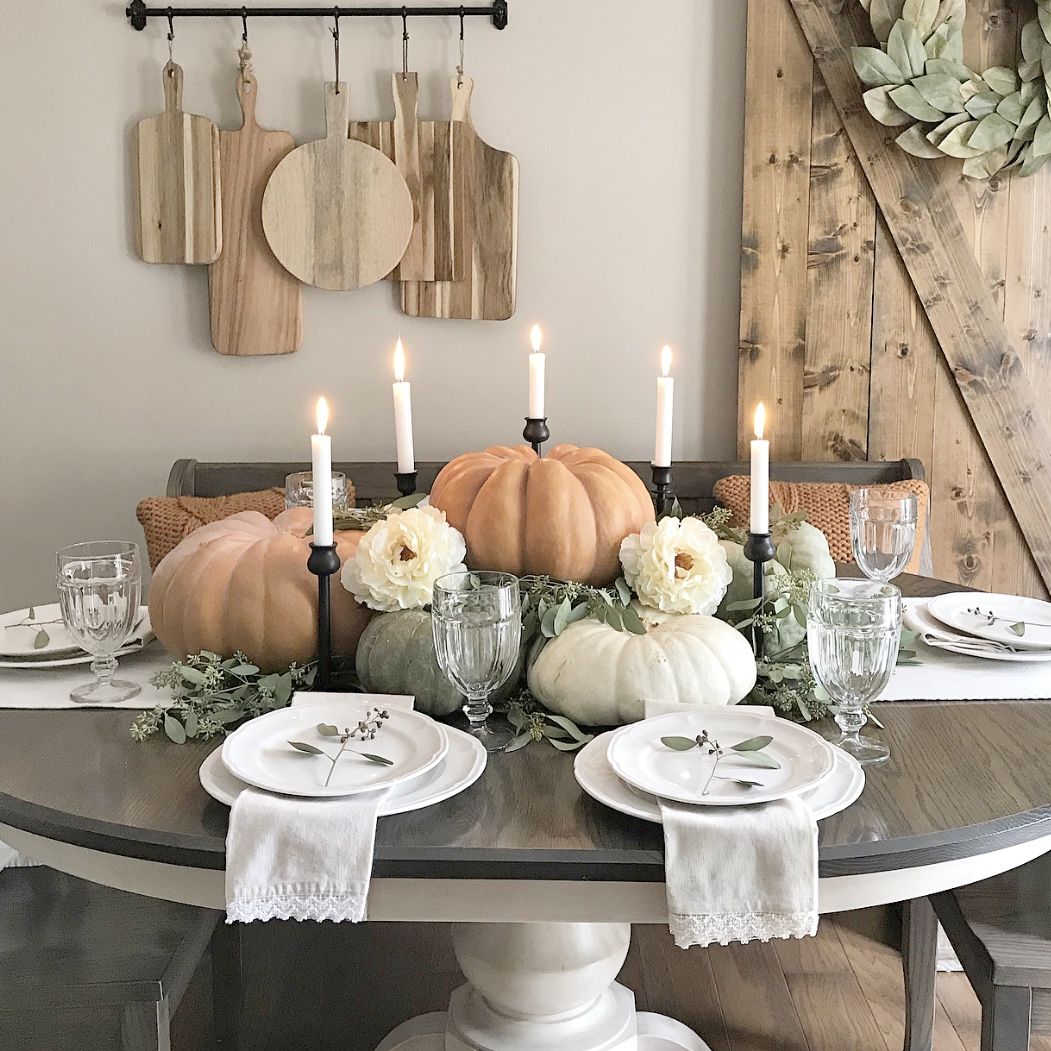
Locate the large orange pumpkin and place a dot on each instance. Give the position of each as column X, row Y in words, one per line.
column 242, row 584
column 564, row 514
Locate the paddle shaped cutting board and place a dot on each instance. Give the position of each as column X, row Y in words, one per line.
column 336, row 212
column 423, row 151
column 256, row 304
column 490, row 230
column 177, row 182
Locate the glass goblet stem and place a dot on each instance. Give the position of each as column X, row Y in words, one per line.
column 477, row 709
column 104, row 667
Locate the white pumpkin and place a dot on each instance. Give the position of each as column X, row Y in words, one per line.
column 599, row 676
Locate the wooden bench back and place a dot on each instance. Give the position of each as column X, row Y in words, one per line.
column 692, row 480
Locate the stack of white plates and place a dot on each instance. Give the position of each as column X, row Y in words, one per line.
column 428, row 762
column 20, row 632
column 628, row 769
column 994, row 627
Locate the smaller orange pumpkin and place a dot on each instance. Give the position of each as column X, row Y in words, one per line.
column 242, row 584
column 564, row 514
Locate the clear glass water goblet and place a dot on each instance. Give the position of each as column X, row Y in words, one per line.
column 477, row 623
column 853, row 633
column 99, row 590
column 882, row 531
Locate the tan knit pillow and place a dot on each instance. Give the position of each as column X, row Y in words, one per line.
column 166, row 520
column 826, row 505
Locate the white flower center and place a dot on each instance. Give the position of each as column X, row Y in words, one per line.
column 683, row 564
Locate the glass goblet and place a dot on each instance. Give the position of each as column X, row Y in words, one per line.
column 99, row 588
column 882, row 531
column 853, row 632
column 299, row 490
column 477, row 623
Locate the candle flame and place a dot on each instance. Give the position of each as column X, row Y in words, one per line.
column 399, row 362
column 536, row 338
column 665, row 360
column 322, row 415
column 760, row 420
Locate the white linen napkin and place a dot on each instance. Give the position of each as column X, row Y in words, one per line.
column 289, row 858
column 738, row 874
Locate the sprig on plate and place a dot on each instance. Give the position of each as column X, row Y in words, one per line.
column 752, row 749
column 366, row 730
column 42, row 638
column 1017, row 628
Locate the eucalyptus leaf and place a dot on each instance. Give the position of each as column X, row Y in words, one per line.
column 556, row 733
column 955, row 143
column 915, row 142
column 305, row 746
column 244, row 669
column 936, row 134
column 946, row 67
column 945, row 42
column 875, row 67
column 743, row 604
column 174, row 729
column 403, row 503
column 1002, row 80
column 921, row 14
column 228, row 715
column 623, row 590
column 561, row 619
column 679, row 744
column 579, row 612
column 760, row 759
column 982, row 104
column 31, row 615
column 753, row 744
column 519, row 741
column 569, row 726
column 190, row 723
column 1033, row 163
column 1030, row 71
column 615, row 617
column 1018, row 628
column 1033, row 112
column 283, row 689
column 883, row 14
column 194, row 675
column 1044, row 21
column 567, row 746
column 327, row 730
column 632, row 621
column 41, row 639
column 1033, row 40
column 516, row 717
column 1012, row 108
column 381, row 760
column 547, row 625
column 1042, row 138
column 987, row 165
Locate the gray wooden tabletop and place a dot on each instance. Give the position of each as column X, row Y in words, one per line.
column 964, row 778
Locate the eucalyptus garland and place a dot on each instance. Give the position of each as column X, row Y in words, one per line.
column 995, row 121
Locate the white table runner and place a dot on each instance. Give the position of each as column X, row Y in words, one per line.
column 946, row 676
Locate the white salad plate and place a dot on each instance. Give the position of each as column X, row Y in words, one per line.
column 463, row 764
column 52, row 656
column 260, row 754
column 600, row 781
column 638, row 757
column 956, row 610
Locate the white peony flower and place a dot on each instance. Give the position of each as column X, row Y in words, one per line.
column 399, row 559
column 676, row 566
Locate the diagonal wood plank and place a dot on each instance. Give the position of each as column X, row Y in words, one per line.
column 774, row 229
column 926, row 228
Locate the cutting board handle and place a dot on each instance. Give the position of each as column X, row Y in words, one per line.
column 247, row 90
column 406, row 142
column 337, row 110
column 172, row 78
column 461, row 88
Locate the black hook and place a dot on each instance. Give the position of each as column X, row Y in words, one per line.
column 244, row 25
column 171, row 25
column 335, row 42
column 462, row 15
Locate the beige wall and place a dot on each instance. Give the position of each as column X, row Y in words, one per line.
column 627, row 120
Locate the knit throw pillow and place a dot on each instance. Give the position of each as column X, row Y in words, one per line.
column 167, row 520
column 826, row 505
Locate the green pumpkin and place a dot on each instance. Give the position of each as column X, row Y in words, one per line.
column 396, row 655
column 802, row 546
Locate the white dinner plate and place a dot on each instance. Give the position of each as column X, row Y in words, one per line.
column 955, row 609
column 639, row 757
column 462, row 766
column 259, row 752
column 600, row 781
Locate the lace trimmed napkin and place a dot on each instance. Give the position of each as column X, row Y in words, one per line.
column 738, row 874
column 289, row 858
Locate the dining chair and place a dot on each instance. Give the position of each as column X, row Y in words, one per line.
column 1000, row 929
column 84, row 966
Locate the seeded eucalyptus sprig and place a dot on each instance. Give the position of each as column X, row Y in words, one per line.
column 41, row 638
column 532, row 722
column 752, row 750
column 550, row 606
column 365, row 730
column 212, row 694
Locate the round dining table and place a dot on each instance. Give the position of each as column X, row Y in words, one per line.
column 540, row 881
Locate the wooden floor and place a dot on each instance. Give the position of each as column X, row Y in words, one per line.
column 321, row 987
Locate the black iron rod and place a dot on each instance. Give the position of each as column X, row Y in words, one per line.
column 138, row 13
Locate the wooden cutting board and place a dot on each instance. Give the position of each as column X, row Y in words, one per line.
column 256, row 304
column 336, row 212
column 490, row 235
column 424, row 151
column 177, row 182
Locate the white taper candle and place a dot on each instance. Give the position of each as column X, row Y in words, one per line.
column 536, row 375
column 665, row 411
column 759, row 510
column 402, row 414
column 321, row 477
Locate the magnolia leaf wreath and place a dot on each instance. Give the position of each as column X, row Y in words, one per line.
column 994, row 121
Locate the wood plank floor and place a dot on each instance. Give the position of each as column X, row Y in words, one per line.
column 320, row 987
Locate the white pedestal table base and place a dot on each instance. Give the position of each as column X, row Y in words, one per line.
column 542, row 987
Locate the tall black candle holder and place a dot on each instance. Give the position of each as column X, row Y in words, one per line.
column 406, row 482
column 323, row 562
column 536, row 433
column 758, row 549
column 662, row 494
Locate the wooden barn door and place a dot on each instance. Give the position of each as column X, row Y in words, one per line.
column 835, row 337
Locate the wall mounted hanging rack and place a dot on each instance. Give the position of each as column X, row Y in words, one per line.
column 139, row 14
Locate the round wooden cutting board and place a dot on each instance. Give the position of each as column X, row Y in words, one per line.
column 336, row 212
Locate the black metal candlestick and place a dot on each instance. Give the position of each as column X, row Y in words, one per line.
column 662, row 494
column 758, row 549
column 406, row 482
column 323, row 562
column 536, row 433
